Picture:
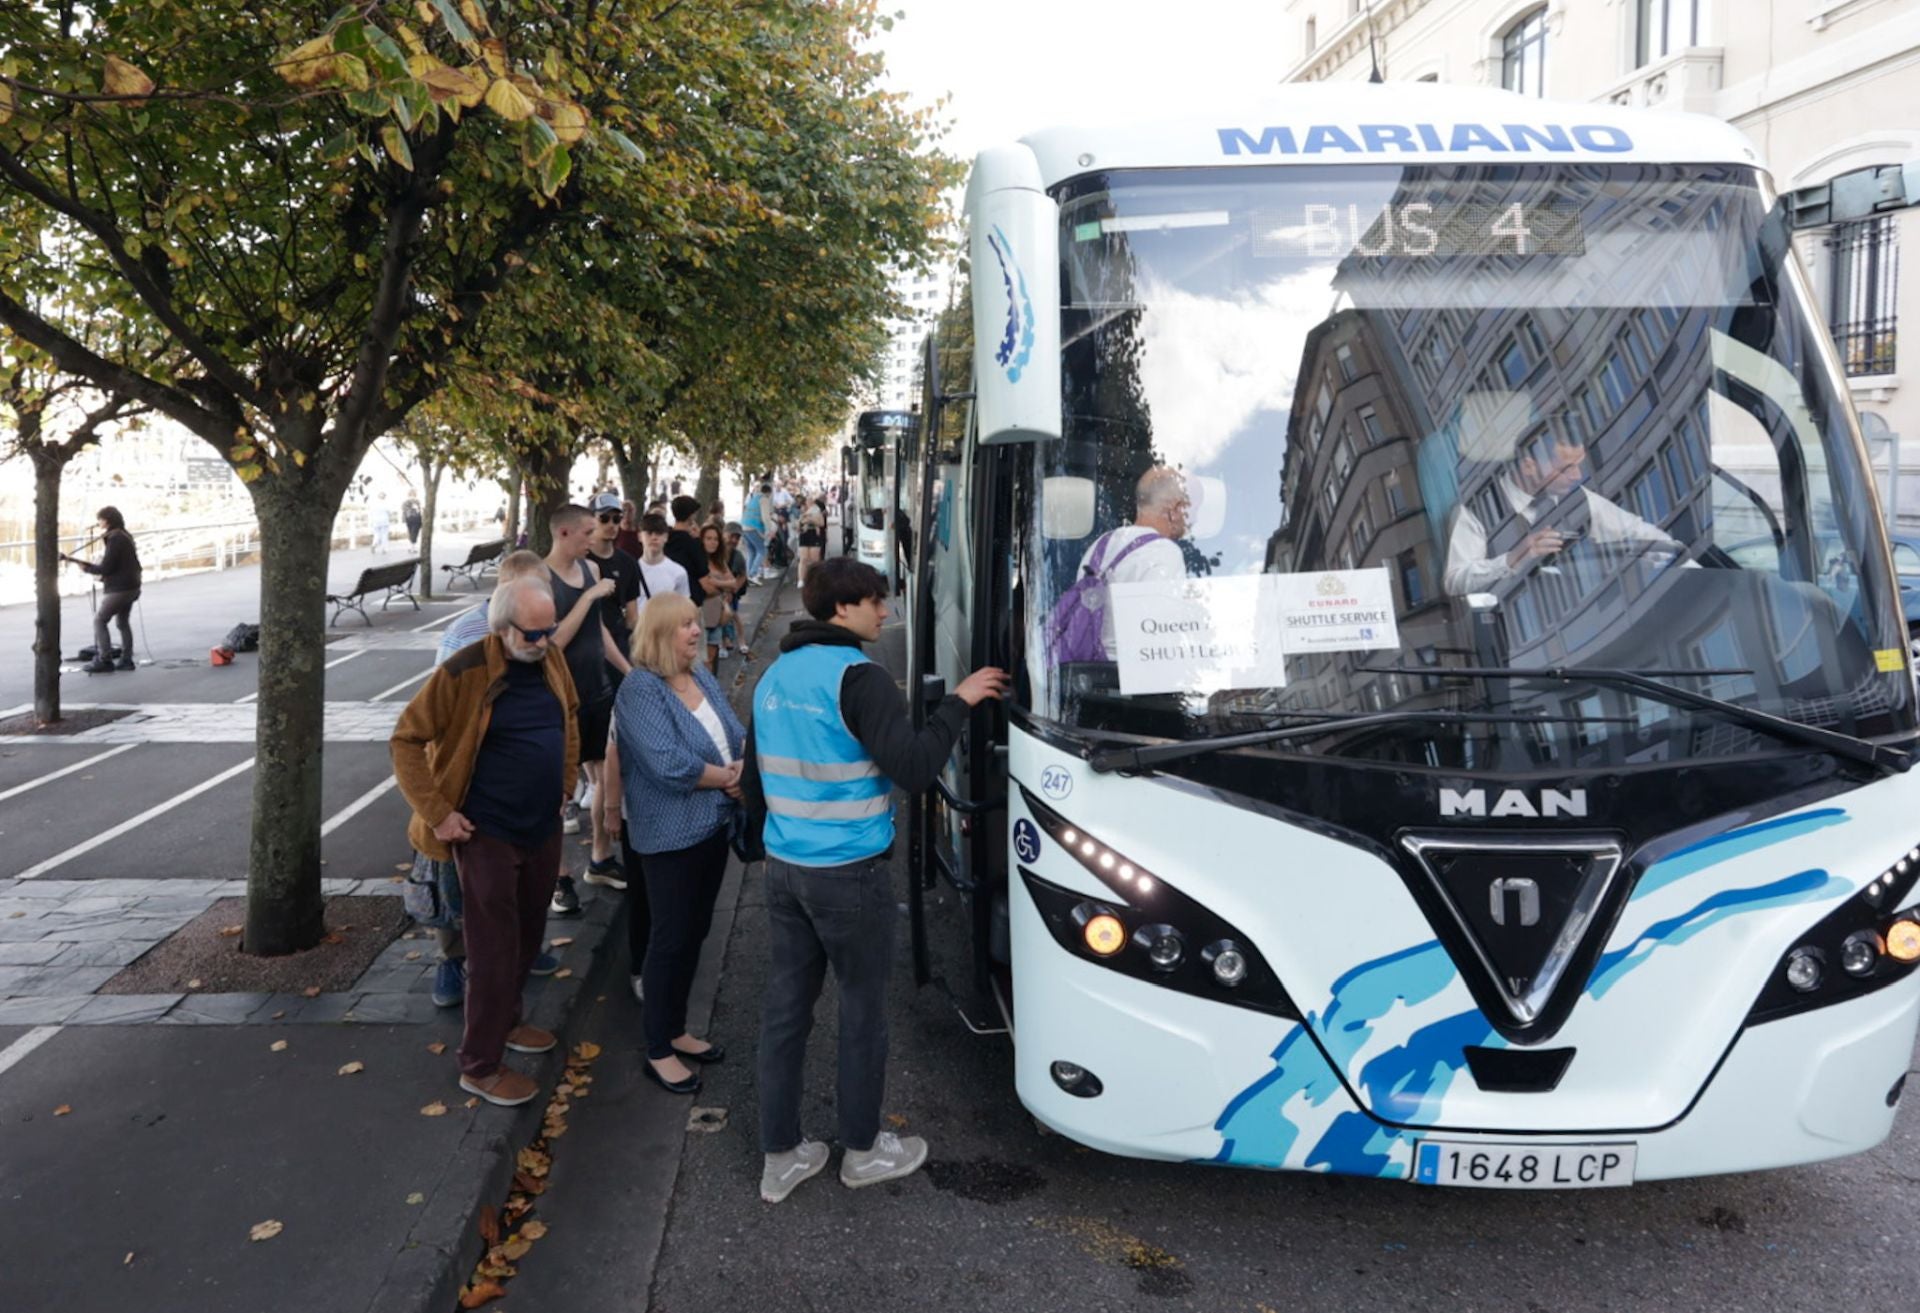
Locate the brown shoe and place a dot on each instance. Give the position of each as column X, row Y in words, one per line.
column 506, row 1087
column 530, row 1039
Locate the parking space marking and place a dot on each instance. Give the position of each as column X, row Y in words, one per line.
column 384, row 693
column 26, row 1044
column 337, row 661
column 357, row 806
column 441, row 620
column 108, row 836
column 51, row 776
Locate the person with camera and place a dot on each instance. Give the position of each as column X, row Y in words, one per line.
column 119, row 572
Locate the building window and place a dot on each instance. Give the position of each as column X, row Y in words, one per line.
column 1313, row 35
column 1345, row 356
column 1396, row 493
column 1523, row 54
column 1370, row 425
column 1664, row 27
column 1411, row 587
column 1361, row 534
column 1864, row 278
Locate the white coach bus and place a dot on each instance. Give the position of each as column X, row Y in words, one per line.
column 1480, row 756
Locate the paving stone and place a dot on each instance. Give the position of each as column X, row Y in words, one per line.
column 215, row 1009
column 148, row 931
column 22, row 931
column 40, row 1009
column 89, row 905
column 329, row 1007
column 45, row 890
column 123, row 1009
column 62, row 979
column 6, row 884
column 121, row 888
column 292, row 1005
column 102, row 953
column 391, row 1009
column 16, row 979
column 167, row 905
column 34, row 954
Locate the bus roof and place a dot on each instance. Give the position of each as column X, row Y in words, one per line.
column 1391, row 123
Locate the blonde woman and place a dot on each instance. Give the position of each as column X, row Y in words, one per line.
column 679, row 749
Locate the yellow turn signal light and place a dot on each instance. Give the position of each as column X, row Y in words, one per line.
column 1106, row 936
column 1903, row 941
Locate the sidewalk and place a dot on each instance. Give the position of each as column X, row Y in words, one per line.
column 144, row 1137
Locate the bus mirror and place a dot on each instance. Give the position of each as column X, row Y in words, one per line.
column 1067, row 503
column 1207, row 506
column 1015, row 256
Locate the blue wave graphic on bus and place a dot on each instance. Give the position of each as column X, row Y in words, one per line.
column 1409, row 1081
column 1016, row 344
column 1734, row 843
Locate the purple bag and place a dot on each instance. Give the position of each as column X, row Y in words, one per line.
column 1074, row 628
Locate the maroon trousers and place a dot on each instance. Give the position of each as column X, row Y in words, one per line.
column 504, row 888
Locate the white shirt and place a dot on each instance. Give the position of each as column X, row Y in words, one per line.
column 782, row 499
column 710, row 722
column 666, row 577
column 1471, row 570
column 1157, row 560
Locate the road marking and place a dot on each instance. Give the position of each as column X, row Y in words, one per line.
column 19, row 789
column 27, row 1043
column 441, row 620
column 410, row 679
column 108, row 836
column 357, row 806
column 337, row 661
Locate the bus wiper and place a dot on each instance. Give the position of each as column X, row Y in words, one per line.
column 1887, row 760
column 1148, row 755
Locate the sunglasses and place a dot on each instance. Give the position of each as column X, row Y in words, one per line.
column 536, row 635
column 608, row 517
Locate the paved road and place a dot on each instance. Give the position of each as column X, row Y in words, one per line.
column 1005, row 1218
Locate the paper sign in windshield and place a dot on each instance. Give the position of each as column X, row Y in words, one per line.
column 1337, row 611
column 1198, row 635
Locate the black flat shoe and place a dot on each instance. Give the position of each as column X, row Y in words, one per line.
column 691, row 1085
column 712, row 1053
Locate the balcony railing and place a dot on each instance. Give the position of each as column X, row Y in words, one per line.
column 1689, row 81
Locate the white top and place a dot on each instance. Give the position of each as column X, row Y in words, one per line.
column 1159, row 560
column 1471, row 570
column 710, row 722
column 667, row 577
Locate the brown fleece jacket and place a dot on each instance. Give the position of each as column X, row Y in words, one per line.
column 440, row 733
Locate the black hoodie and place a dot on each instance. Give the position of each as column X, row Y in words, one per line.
column 876, row 715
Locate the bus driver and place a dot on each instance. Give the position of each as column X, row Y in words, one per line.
column 1545, row 508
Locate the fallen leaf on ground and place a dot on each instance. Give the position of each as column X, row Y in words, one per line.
column 396, row 879
column 403, row 866
column 534, row 1230
column 278, row 1046
column 265, row 1230
column 63, row 1110
column 561, row 942
column 311, row 991
column 473, row 1103
column 707, row 1120
column 128, row 1260
column 489, row 1224
column 896, row 1121
column 194, row 983
column 563, row 973
column 229, row 931
column 437, row 1047
column 517, row 1249
column 414, row 956
column 586, row 1050
column 532, row 1185
column 15, row 916
column 434, row 1109
column 352, row 1067
column 335, row 938
column 281, row 1013
column 484, row 1293
column 416, row 1198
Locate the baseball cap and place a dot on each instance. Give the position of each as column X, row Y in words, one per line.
column 605, row 501
column 733, row 526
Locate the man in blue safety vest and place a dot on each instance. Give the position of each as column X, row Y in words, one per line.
column 830, row 740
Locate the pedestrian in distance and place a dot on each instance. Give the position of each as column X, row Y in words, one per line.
column 742, row 580
column 119, row 572
column 434, row 886
column 680, row 784
column 410, row 513
column 485, row 754
column 719, row 582
column 628, row 539
column 813, row 535
column 753, row 530
column 830, row 739
column 379, row 524
column 594, row 661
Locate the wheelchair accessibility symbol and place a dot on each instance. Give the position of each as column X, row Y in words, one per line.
column 1026, row 841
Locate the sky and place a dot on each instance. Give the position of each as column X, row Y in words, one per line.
column 1012, row 66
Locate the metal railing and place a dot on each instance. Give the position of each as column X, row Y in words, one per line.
column 1865, row 265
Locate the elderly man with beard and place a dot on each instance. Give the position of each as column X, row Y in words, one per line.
column 485, row 754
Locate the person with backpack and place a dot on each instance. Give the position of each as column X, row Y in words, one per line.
column 1081, row 626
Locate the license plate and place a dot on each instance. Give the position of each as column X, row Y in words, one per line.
column 1523, row 1166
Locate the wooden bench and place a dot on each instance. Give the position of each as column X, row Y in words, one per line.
column 480, row 557
column 396, row 579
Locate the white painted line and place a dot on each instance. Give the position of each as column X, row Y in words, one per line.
column 108, row 836
column 442, row 619
column 20, row 710
column 357, row 806
column 26, row 1044
column 19, row 789
column 410, row 679
column 337, row 661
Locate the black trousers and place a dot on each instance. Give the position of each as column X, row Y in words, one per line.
column 639, row 911
column 114, row 607
column 681, row 888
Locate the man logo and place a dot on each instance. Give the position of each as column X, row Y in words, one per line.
column 1524, row 889
column 1514, row 802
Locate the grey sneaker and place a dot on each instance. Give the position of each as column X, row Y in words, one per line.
column 785, row 1171
column 891, row 1157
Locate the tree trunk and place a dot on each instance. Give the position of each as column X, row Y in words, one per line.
column 547, row 493
column 428, row 504
column 633, row 476
column 284, row 903
column 47, row 469
column 511, row 529
column 601, row 466
column 707, row 486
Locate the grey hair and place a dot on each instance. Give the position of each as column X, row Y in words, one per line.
column 505, row 602
column 1157, row 486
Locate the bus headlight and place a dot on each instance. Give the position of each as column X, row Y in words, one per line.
column 1860, row 954
column 1163, row 946
column 1228, row 962
column 1903, row 940
column 1101, row 929
column 1860, row 946
column 1803, row 969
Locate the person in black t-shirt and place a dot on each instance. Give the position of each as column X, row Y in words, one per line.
column 683, row 544
column 619, row 610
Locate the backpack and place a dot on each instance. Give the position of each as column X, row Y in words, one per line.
column 1074, row 628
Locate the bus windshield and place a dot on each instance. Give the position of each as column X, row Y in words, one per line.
column 1330, row 432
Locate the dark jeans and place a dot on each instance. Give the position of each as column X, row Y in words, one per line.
column 681, row 887
column 639, row 911
column 114, row 606
column 819, row 916
column 504, row 888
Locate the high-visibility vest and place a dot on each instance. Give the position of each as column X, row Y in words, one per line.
column 827, row 803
